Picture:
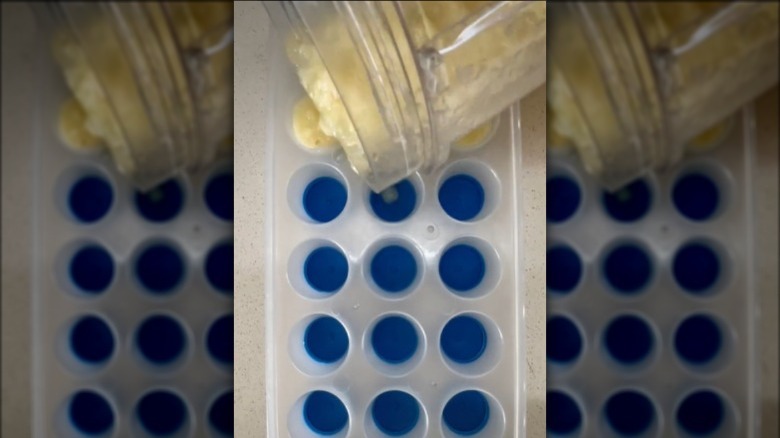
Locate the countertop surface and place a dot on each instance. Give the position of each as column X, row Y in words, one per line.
column 252, row 32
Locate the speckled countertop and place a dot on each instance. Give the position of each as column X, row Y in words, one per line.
column 252, row 34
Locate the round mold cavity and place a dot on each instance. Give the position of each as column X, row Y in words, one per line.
column 289, row 106
column 565, row 341
column 477, row 137
column 705, row 412
column 318, row 269
column 630, row 341
column 218, row 267
column 319, row 344
column 710, row 138
column 161, row 341
column 700, row 191
column 395, row 267
column 396, row 412
column 395, row 343
column 628, row 267
column 321, row 412
column 162, row 412
column 564, row 269
column 472, row 412
column 471, row 344
column 700, row 267
column 629, row 203
column 468, row 190
column 702, row 342
column 162, row 203
column 220, row 414
column 86, row 268
column 219, row 340
column 89, row 412
column 89, row 343
column 218, row 194
column 630, row 412
column 564, row 197
column 318, row 193
column 469, row 267
column 86, row 194
column 159, row 267
column 398, row 202
column 564, row 414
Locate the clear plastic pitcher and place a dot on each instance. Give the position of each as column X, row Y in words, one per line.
column 397, row 82
column 154, row 80
column 630, row 84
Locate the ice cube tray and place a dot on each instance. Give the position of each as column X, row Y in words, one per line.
column 398, row 315
column 132, row 294
column 650, row 328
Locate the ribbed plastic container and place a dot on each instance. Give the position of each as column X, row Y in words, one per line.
column 155, row 79
column 631, row 84
column 397, row 82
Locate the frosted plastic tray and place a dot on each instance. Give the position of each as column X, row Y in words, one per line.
column 683, row 363
column 328, row 379
column 92, row 365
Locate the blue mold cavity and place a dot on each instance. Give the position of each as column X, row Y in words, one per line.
column 161, row 413
column 630, row 203
column 563, row 414
column 462, row 197
column 564, row 269
column 696, row 268
column 221, row 414
column 219, row 267
column 219, row 196
column 395, row 413
column 90, row 198
column 90, row 413
column 563, row 198
column 462, row 267
column 160, row 339
column 628, row 268
column 159, row 268
column 162, row 203
column 564, row 341
column 219, row 340
column 393, row 268
column 326, row 269
column 394, row 339
column 629, row 339
column 92, row 269
column 696, row 196
column 463, row 339
column 698, row 339
column 630, row 413
column 400, row 208
column 324, row 199
column 467, row 413
column 91, row 340
column 324, row 413
column 326, row 340
column 701, row 413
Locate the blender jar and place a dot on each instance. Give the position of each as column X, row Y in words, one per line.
column 152, row 81
column 397, row 82
column 630, row 84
